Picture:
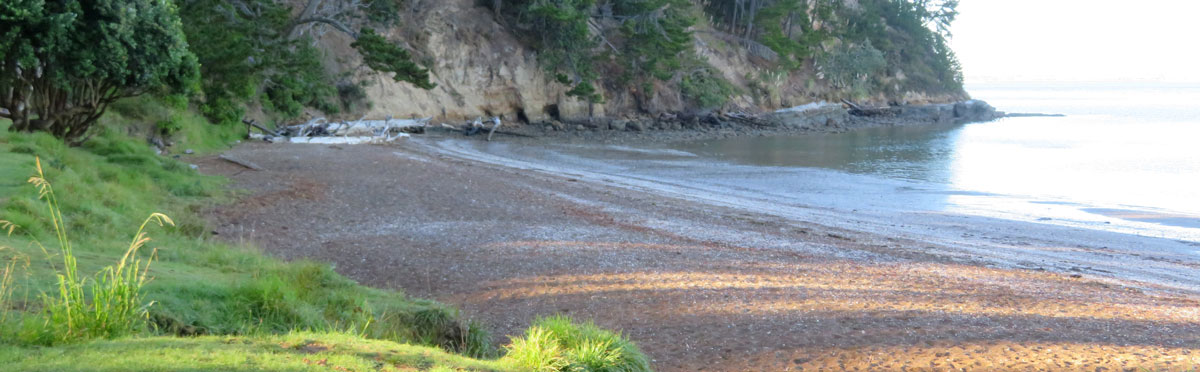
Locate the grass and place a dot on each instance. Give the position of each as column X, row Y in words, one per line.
column 300, row 351
column 95, row 303
column 557, row 343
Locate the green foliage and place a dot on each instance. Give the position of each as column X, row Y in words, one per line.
column 105, row 306
column 559, row 30
column 293, row 352
column 706, row 88
column 851, row 66
column 247, row 54
column 384, row 12
column 786, row 28
column 656, row 35
column 586, row 91
column 900, row 29
column 557, row 343
column 64, row 62
column 383, row 56
column 198, row 286
column 169, row 118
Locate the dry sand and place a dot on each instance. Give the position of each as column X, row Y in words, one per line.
column 715, row 289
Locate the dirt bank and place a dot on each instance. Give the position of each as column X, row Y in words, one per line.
column 699, row 287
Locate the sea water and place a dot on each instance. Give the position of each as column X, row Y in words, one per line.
column 1124, row 155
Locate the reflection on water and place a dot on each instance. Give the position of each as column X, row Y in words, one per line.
column 1119, row 147
column 910, row 153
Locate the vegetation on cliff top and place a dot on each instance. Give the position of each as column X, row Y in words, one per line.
column 869, row 46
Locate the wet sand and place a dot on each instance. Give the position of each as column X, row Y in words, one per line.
column 703, row 285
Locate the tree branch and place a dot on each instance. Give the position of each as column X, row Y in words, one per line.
column 329, row 21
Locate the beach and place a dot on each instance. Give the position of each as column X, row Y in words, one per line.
column 705, row 278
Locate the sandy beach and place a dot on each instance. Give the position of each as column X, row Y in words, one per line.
column 705, row 281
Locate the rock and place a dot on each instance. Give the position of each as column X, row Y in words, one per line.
column 675, row 125
column 618, row 125
column 188, row 152
column 808, row 116
column 960, row 109
column 193, row 166
column 557, row 125
column 636, row 126
column 580, row 128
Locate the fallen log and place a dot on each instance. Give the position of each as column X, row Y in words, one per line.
column 260, row 127
column 243, row 163
column 857, row 110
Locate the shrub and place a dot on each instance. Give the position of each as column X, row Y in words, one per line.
column 851, row 65
column 706, row 88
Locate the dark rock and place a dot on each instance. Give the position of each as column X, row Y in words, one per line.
column 618, row 125
column 636, row 126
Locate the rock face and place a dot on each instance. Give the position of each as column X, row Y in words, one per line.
column 482, row 69
column 834, row 115
column 965, row 111
column 810, row 116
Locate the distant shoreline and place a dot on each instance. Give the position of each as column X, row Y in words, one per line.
column 831, row 118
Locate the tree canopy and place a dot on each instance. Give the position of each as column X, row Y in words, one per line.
column 63, row 62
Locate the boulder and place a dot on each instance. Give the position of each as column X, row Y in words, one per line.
column 636, row 126
column 618, row 125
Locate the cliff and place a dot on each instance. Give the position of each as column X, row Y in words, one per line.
column 483, row 68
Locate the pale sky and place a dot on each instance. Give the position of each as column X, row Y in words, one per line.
column 1076, row 40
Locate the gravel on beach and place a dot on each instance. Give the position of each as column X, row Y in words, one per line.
column 698, row 287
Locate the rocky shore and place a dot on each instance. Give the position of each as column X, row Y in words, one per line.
column 818, row 117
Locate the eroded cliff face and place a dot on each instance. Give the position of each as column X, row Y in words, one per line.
column 482, row 69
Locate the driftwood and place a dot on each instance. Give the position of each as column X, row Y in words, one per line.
column 243, row 163
column 857, row 110
column 260, row 127
column 361, row 131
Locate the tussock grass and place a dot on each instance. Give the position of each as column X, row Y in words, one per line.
column 108, row 305
column 557, row 343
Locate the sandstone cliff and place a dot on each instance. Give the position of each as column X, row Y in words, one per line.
column 482, row 69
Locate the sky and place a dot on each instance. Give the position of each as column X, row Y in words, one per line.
column 1078, row 41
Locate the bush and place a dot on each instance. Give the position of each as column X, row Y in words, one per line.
column 86, row 55
column 706, row 88
column 557, row 343
column 850, row 66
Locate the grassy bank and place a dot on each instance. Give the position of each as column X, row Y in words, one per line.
column 245, row 307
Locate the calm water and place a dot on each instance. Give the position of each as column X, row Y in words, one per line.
column 1123, row 152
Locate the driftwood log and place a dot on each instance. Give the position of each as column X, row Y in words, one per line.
column 858, row 110
column 255, row 124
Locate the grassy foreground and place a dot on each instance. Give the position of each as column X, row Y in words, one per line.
column 299, row 351
column 212, row 305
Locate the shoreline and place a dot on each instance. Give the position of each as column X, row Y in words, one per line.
column 837, row 203
column 817, row 118
column 683, row 274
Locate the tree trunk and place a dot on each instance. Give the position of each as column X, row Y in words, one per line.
column 496, row 8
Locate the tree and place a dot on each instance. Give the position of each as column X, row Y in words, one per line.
column 264, row 50
column 63, row 62
column 383, row 56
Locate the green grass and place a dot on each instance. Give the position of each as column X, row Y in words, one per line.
column 198, row 286
column 299, row 351
column 557, row 343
